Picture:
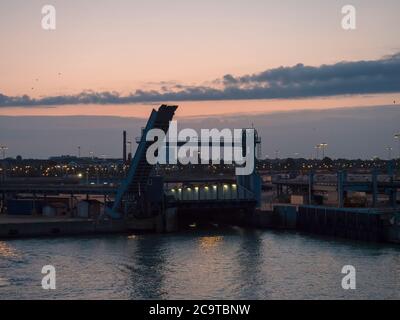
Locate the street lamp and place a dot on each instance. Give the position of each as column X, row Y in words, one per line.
column 389, row 150
column 130, row 146
column 397, row 137
column 317, row 147
column 3, row 151
column 323, row 147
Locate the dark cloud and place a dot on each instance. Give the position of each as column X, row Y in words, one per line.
column 299, row 81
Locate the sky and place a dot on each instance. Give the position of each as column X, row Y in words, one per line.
column 213, row 58
column 351, row 132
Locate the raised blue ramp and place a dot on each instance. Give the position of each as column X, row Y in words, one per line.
column 140, row 170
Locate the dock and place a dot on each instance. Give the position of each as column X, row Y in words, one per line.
column 28, row 227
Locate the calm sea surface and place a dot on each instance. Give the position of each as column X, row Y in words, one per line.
column 228, row 263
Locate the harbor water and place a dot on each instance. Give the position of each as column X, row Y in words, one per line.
column 217, row 263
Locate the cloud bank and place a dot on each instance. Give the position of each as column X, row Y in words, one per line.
column 299, row 81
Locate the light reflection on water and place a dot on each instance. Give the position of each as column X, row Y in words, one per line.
column 7, row 251
column 216, row 264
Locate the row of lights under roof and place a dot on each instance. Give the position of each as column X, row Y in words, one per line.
column 205, row 188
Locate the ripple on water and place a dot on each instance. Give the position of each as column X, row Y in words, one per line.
column 4, row 282
column 7, row 251
column 231, row 264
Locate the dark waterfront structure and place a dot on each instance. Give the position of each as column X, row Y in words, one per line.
column 340, row 187
column 156, row 200
column 141, row 195
column 147, row 201
column 352, row 223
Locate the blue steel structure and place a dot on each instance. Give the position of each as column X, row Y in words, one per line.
column 342, row 185
column 141, row 194
column 135, row 185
